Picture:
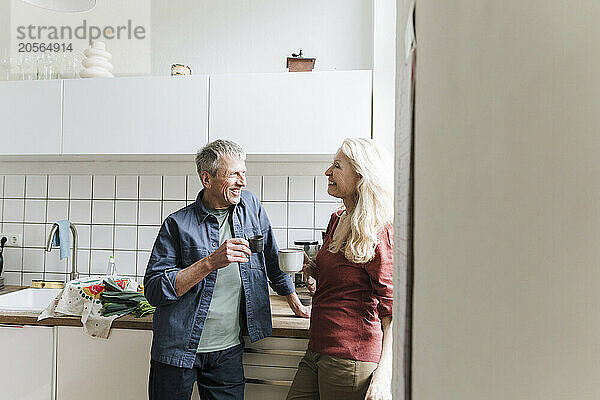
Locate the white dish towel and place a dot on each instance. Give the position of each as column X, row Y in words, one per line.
column 81, row 297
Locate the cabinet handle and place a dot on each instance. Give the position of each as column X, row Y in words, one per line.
column 295, row 353
column 268, row 382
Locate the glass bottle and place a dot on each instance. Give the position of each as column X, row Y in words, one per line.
column 111, row 270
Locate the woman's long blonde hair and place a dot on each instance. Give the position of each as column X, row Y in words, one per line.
column 356, row 233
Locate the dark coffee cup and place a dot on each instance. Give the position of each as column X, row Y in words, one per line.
column 257, row 243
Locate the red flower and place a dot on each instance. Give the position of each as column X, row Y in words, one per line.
column 96, row 289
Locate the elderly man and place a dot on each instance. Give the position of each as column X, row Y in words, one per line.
column 207, row 284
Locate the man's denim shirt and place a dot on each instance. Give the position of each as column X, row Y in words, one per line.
column 187, row 236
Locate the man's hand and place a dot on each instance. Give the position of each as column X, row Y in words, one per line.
column 297, row 307
column 232, row 250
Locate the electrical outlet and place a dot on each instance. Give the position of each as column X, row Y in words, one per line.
column 12, row 240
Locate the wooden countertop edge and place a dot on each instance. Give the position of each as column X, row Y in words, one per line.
column 285, row 324
column 30, row 319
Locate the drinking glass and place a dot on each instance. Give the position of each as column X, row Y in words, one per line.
column 69, row 65
column 5, row 65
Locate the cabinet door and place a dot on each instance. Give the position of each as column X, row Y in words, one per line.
column 136, row 115
column 30, row 117
column 26, row 362
column 291, row 113
column 100, row 369
column 270, row 366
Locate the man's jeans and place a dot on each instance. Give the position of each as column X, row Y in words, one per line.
column 220, row 375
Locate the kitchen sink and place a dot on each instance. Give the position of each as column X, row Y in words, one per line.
column 27, row 300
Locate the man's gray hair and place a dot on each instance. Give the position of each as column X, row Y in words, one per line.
column 208, row 158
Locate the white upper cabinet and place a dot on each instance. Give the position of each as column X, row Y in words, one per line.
column 291, row 113
column 30, row 117
column 135, row 115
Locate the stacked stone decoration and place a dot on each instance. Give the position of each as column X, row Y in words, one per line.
column 97, row 64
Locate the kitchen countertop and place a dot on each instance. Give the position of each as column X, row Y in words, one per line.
column 285, row 323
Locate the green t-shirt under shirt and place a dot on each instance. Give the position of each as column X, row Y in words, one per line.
column 222, row 326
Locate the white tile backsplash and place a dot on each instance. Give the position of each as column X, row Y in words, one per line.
column 80, row 211
column 275, row 188
column 34, row 235
column 81, row 187
column 301, row 215
column 126, row 212
column 169, row 207
column 36, row 186
column 299, row 234
column 323, row 213
column 149, row 213
column 57, row 210
column 103, row 187
column 83, row 261
column 58, row 187
column 55, row 264
column 254, row 185
column 277, row 212
column 321, row 189
column 14, row 210
column 142, row 262
column 99, row 261
column 151, row 187
column 193, row 186
column 13, row 258
column 174, row 188
column 146, row 237
column 35, row 210
column 33, row 260
column 125, row 237
column 13, row 228
column 83, row 236
column 14, row 186
column 102, row 237
column 125, row 262
column 280, row 237
column 12, row 278
column 127, row 187
column 302, row 188
column 103, row 211
column 122, row 214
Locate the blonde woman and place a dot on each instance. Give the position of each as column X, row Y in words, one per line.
column 349, row 352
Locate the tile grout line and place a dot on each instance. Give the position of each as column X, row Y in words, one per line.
column 69, row 218
column 23, row 229
column 137, row 221
column 45, row 219
column 91, row 222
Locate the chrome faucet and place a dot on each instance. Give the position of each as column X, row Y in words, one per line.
column 74, row 274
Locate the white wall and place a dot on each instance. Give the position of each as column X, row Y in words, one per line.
column 4, row 24
column 252, row 36
column 384, row 71
column 256, row 36
column 506, row 210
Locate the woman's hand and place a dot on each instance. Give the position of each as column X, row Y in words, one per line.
column 309, row 267
column 311, row 285
column 378, row 391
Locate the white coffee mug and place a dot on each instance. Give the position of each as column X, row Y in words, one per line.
column 291, row 260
